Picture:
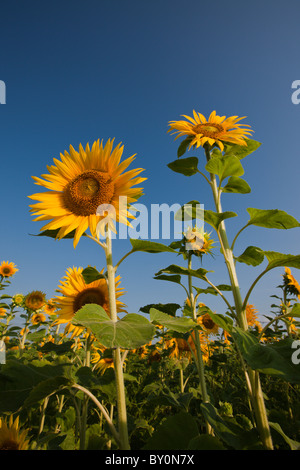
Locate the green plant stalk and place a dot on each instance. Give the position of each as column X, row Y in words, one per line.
column 200, row 364
column 253, row 381
column 85, row 404
column 118, row 365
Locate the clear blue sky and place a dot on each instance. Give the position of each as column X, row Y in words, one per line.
column 76, row 71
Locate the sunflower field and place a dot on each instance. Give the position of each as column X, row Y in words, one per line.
column 80, row 372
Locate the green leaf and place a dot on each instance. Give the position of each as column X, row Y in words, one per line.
column 37, row 335
column 271, row 359
column 241, row 151
column 176, row 278
column 169, row 308
column 54, row 233
column 252, row 256
column 273, row 218
column 294, row 445
column 229, row 430
column 46, row 388
column 214, row 219
column 225, row 166
column 174, row 269
column 131, row 332
column 91, row 274
column 211, row 290
column 190, row 211
column 150, row 247
column 185, row 166
column 175, row 432
column 236, row 185
column 183, row 147
column 279, row 260
column 178, row 324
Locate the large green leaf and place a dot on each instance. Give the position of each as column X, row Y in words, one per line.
column 131, row 332
column 294, row 445
column 241, row 151
column 169, row 308
column 236, row 184
column 273, row 218
column 223, row 321
column 150, row 247
column 190, row 211
column 229, row 430
column 280, row 259
column 205, row 442
column 54, row 233
column 178, row 324
column 185, row 166
column 271, row 359
column 183, row 147
column 252, row 256
column 46, row 388
column 225, row 166
column 19, row 377
column 175, row 433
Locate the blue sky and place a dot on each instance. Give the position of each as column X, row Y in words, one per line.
column 76, row 71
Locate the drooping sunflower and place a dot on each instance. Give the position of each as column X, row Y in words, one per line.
column 35, row 300
column 38, row 318
column 290, row 283
column 7, row 269
column 80, row 183
column 214, row 131
column 76, row 293
column 209, row 326
column 11, row 436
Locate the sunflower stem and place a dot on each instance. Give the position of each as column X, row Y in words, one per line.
column 199, row 358
column 252, row 377
column 118, row 365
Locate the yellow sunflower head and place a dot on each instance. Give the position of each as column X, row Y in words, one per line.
column 7, row 269
column 38, row 318
column 18, row 299
column 76, row 293
column 35, row 300
column 214, row 131
column 81, row 183
column 251, row 316
column 290, row 283
column 2, row 312
column 50, row 308
column 11, row 436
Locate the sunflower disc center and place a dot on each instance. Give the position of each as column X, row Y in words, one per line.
column 208, row 130
column 208, row 323
column 87, row 191
column 92, row 295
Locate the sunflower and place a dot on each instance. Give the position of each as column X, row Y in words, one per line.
column 38, row 318
column 76, row 293
column 18, row 299
column 291, row 285
column 208, row 324
column 35, row 300
column 2, row 312
column 214, row 131
column 11, row 436
column 50, row 308
column 251, row 316
column 198, row 241
column 7, row 269
column 81, row 182
column 178, row 347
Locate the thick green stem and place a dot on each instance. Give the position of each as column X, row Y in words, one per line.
column 252, row 377
column 118, row 365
